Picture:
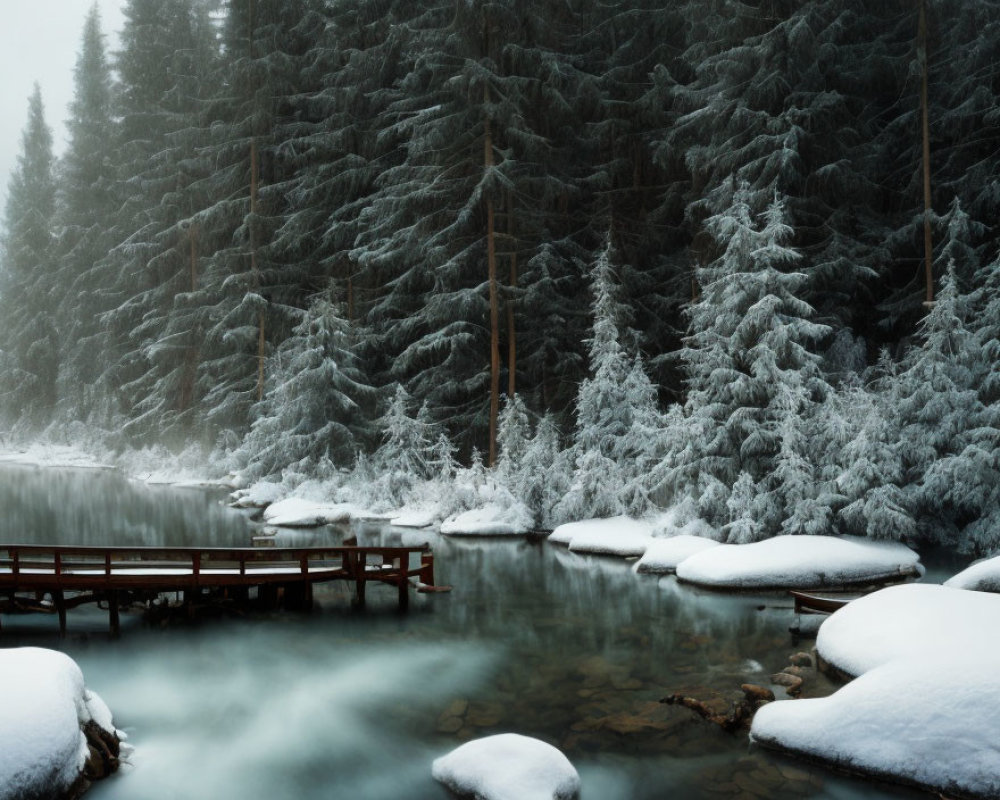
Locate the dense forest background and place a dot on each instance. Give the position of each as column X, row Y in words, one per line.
column 637, row 253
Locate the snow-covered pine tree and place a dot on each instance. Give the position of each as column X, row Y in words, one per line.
column 313, row 408
column 871, row 476
column 748, row 351
column 85, row 216
column 603, row 416
column 30, row 345
column 545, row 473
column 512, row 440
column 405, row 456
column 938, row 406
column 644, row 444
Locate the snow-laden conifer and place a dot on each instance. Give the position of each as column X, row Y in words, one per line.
column 314, row 404
column 747, row 353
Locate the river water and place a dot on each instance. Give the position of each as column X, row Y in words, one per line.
column 355, row 705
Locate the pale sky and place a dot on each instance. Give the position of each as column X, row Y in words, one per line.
column 39, row 41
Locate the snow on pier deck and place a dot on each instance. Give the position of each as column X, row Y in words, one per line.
column 73, row 576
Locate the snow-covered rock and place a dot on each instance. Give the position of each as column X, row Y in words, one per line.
column 261, row 494
column 983, row 576
column 663, row 555
column 295, row 512
column 802, row 562
column 508, row 766
column 924, row 707
column 912, row 621
column 45, row 705
column 619, row 536
column 492, row 519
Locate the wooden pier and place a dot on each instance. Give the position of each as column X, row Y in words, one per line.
column 74, row 576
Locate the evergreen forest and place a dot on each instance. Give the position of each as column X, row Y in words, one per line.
column 735, row 258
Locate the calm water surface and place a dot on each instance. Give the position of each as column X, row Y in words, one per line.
column 355, row 705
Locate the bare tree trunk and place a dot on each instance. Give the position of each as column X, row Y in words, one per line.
column 926, row 136
column 491, row 261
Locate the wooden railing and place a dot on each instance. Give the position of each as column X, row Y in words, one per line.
column 106, row 571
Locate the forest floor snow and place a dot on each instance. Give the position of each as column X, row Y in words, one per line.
column 49, row 455
column 508, row 766
column 46, row 704
column 924, row 708
column 800, row 562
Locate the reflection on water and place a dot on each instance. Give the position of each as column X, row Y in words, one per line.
column 340, row 704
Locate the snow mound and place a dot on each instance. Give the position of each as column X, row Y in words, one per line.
column 619, row 536
column 45, row 703
column 492, row 519
column 259, row 495
column 663, row 555
column 800, row 562
column 416, row 517
column 983, row 576
column 931, row 722
column 508, row 767
column 912, row 621
column 924, row 708
column 295, row 512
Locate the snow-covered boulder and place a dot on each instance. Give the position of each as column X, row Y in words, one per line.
column 663, row 555
column 912, row 621
column 508, row 766
column 618, row 536
column 493, row 519
column 983, row 576
column 924, row 707
column 295, row 512
column 261, row 494
column 800, row 562
column 46, row 709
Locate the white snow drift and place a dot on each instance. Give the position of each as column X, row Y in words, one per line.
column 508, row 766
column 799, row 562
column 493, row 519
column 44, row 703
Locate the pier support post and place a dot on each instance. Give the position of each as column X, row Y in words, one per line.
column 404, row 594
column 359, row 598
column 60, row 601
column 113, row 618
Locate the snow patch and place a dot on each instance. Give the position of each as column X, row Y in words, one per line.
column 508, row 766
column 663, row 555
column 493, row 519
column 800, row 562
column 45, row 703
